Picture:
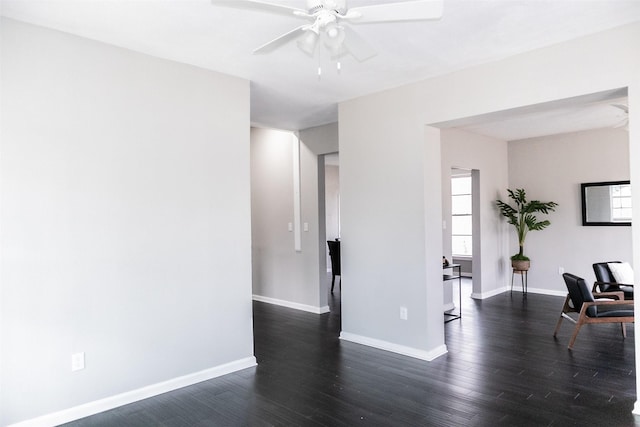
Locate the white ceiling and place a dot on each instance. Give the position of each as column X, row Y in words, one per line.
column 285, row 90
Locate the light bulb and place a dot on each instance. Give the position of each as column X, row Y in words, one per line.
column 308, row 43
column 334, row 38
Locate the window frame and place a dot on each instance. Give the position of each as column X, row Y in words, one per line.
column 469, row 215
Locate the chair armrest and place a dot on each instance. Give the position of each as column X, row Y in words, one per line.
column 596, row 284
column 600, row 285
column 619, row 295
column 625, row 303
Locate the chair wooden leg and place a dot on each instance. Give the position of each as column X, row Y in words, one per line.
column 565, row 309
column 333, row 281
column 558, row 326
column 574, row 336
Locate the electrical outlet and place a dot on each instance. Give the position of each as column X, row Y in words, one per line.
column 77, row 361
column 404, row 314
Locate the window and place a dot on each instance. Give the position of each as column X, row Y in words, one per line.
column 461, row 219
column 620, row 203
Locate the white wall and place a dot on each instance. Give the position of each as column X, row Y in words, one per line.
column 552, row 169
column 125, row 225
column 466, row 150
column 384, row 176
column 332, row 187
column 332, row 205
column 281, row 274
column 391, row 175
column 321, row 139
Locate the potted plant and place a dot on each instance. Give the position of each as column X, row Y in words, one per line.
column 523, row 218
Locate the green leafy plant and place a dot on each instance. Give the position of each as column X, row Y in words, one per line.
column 523, row 218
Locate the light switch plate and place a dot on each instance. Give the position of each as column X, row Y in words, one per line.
column 77, row 361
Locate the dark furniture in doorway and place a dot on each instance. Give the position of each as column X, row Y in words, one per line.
column 334, row 253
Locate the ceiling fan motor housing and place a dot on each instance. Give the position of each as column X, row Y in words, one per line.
column 314, row 6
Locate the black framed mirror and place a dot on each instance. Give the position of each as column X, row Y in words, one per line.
column 606, row 203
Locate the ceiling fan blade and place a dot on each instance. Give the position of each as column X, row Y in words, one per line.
column 623, row 124
column 282, row 40
column 622, row 107
column 415, row 10
column 358, row 47
column 261, row 6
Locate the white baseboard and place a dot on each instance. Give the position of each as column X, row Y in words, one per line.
column 95, row 407
column 636, row 408
column 545, row 291
column 449, row 306
column 294, row 305
column 518, row 289
column 489, row 294
column 395, row 348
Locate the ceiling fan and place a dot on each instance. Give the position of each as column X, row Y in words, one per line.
column 329, row 23
column 625, row 121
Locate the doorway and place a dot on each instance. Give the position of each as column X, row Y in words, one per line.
column 462, row 241
column 331, row 199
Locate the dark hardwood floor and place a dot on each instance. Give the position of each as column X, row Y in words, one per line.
column 503, row 368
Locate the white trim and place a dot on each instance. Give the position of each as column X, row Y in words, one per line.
column 449, row 306
column 395, row 348
column 489, row 294
column 108, row 403
column 636, row 408
column 499, row 291
column 562, row 293
column 297, row 238
column 295, row 305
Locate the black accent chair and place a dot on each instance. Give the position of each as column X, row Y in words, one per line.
column 593, row 308
column 606, row 282
column 334, row 253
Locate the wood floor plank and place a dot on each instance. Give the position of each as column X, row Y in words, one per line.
column 503, row 368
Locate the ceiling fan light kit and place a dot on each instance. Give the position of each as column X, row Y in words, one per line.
column 308, row 42
column 330, row 22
